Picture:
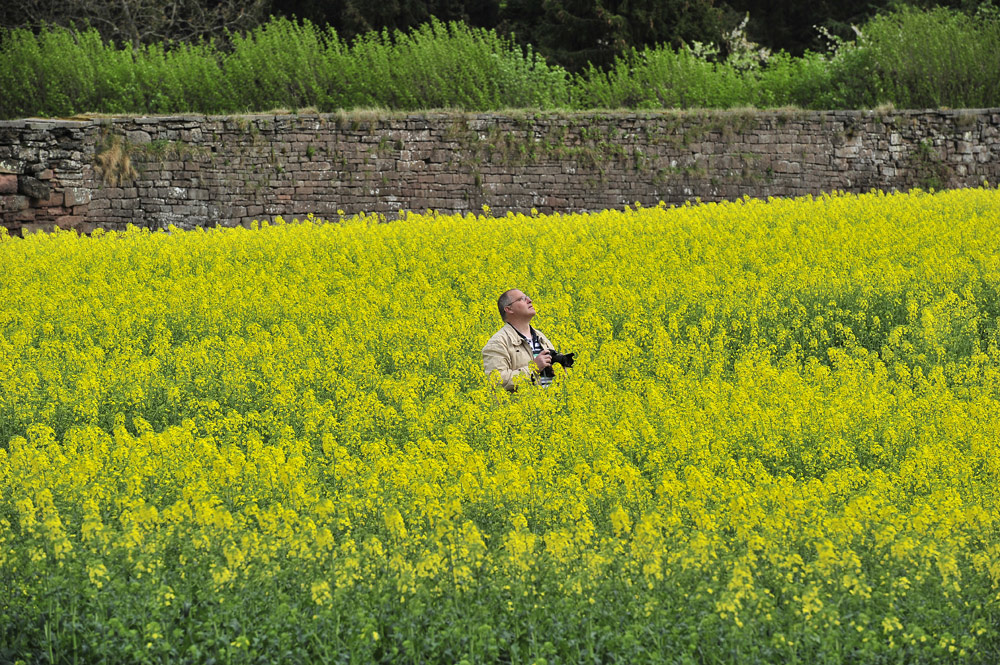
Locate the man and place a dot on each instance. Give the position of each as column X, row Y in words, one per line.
column 517, row 349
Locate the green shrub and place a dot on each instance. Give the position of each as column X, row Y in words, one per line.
column 911, row 59
column 282, row 64
column 664, row 78
column 46, row 74
column 452, row 65
column 790, row 81
column 923, row 59
column 660, row 78
column 21, row 84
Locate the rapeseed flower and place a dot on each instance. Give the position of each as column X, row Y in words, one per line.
column 780, row 435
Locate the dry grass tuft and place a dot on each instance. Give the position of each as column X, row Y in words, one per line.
column 115, row 162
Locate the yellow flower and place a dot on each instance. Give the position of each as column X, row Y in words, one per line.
column 781, row 412
column 394, row 523
column 98, row 574
column 620, row 521
column 321, row 594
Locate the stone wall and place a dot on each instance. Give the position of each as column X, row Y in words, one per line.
column 199, row 171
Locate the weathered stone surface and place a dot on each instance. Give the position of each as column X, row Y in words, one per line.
column 8, row 184
column 37, row 227
column 13, row 203
column 88, row 227
column 14, row 166
column 54, row 199
column 233, row 170
column 77, row 196
column 69, row 221
column 32, row 187
column 138, row 137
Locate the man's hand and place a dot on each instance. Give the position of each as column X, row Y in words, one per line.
column 543, row 360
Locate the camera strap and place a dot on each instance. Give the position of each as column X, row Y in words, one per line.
column 536, row 344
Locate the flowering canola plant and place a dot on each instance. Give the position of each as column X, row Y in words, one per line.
column 780, row 441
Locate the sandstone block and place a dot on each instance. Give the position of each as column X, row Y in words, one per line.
column 75, row 196
column 14, row 202
column 37, row 227
column 8, row 184
column 69, row 221
column 54, row 199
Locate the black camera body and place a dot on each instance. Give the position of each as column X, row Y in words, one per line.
column 564, row 359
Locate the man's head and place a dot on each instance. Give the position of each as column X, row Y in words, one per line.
column 514, row 305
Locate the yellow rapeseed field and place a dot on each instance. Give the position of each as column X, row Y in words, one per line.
column 780, row 441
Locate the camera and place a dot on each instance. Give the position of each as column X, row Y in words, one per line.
column 564, row 359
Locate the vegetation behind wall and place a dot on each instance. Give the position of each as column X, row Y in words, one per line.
column 910, row 59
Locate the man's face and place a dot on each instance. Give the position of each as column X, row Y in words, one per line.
column 521, row 306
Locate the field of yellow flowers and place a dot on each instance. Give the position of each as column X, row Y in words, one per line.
column 780, row 441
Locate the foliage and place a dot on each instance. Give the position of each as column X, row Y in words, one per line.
column 581, row 33
column 790, row 25
column 660, row 78
column 908, row 59
column 282, row 64
column 568, row 33
column 925, row 59
column 139, row 22
column 354, row 18
column 665, row 78
column 779, row 442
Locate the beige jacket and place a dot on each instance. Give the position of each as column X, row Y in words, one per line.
column 510, row 354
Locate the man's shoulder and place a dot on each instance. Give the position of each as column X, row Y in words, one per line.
column 502, row 336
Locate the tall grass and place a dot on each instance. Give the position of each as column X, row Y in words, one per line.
column 666, row 78
column 658, row 78
column 909, row 59
column 282, row 63
column 925, row 59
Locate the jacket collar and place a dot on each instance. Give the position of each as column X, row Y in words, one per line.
column 515, row 334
